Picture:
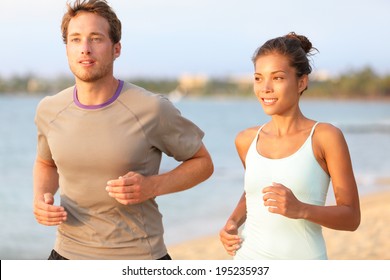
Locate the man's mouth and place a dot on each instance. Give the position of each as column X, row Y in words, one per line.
column 87, row 62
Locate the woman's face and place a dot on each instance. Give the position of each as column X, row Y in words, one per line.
column 276, row 84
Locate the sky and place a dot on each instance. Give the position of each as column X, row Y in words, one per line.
column 169, row 38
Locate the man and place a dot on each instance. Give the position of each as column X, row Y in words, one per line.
column 100, row 143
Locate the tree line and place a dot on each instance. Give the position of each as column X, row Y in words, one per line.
column 363, row 83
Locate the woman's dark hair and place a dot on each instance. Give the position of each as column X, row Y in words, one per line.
column 297, row 48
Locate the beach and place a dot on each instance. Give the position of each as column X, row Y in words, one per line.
column 371, row 241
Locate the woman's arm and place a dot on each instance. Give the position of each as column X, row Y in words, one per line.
column 345, row 215
column 229, row 233
column 332, row 153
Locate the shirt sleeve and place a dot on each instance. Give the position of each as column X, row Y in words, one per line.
column 43, row 149
column 175, row 135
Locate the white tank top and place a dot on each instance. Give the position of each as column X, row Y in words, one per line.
column 272, row 236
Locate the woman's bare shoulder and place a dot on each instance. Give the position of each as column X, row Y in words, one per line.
column 247, row 134
column 243, row 141
column 328, row 130
column 329, row 136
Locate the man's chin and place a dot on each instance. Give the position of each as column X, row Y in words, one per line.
column 87, row 78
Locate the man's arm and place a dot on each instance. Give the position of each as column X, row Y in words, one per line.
column 45, row 186
column 134, row 188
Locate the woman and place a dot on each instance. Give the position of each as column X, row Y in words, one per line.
column 289, row 163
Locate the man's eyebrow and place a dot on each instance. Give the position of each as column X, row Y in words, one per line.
column 97, row 33
column 74, row 34
column 90, row 34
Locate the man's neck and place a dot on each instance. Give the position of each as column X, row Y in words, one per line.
column 97, row 92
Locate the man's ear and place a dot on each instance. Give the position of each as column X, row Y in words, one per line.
column 117, row 50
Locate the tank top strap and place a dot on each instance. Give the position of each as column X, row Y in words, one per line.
column 311, row 132
column 309, row 138
column 257, row 134
column 313, row 128
column 258, row 131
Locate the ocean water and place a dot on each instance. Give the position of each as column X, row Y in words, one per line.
column 203, row 209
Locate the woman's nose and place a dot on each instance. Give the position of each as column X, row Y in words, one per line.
column 266, row 87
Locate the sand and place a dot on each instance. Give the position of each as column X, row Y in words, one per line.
column 371, row 241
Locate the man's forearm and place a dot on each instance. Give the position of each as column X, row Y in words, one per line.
column 187, row 175
column 45, row 177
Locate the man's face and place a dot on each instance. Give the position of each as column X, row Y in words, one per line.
column 90, row 51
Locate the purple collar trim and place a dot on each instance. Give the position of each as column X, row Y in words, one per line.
column 92, row 107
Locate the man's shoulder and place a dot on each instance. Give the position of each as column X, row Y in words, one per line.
column 135, row 96
column 132, row 91
column 56, row 102
column 64, row 95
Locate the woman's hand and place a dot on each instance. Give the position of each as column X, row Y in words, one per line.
column 229, row 237
column 281, row 200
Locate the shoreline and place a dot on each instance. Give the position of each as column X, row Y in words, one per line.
column 369, row 242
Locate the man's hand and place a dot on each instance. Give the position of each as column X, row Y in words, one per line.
column 131, row 188
column 46, row 213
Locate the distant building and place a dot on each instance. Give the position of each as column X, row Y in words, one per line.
column 320, row 75
column 242, row 81
column 33, row 85
column 189, row 82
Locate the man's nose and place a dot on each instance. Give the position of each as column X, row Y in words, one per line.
column 86, row 48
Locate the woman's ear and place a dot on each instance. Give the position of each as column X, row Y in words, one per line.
column 303, row 83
